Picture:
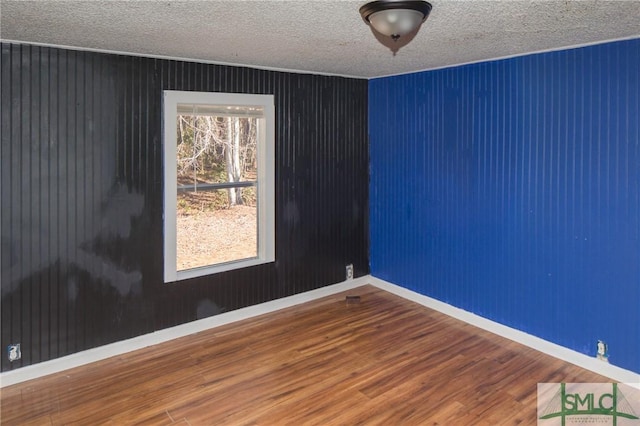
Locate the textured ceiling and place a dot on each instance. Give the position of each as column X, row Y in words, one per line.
column 314, row 35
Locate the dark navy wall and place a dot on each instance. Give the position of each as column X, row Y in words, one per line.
column 511, row 189
column 81, row 193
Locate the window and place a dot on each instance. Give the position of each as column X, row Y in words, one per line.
column 219, row 182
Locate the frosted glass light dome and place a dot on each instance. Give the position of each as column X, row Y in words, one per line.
column 396, row 22
column 395, row 18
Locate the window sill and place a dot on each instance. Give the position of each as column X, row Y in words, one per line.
column 222, row 267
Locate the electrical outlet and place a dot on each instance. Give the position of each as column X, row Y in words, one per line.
column 602, row 352
column 349, row 272
column 13, row 352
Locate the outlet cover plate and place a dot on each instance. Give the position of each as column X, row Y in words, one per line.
column 349, row 270
column 13, row 352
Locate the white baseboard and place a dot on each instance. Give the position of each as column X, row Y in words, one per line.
column 57, row 365
column 118, row 348
column 557, row 351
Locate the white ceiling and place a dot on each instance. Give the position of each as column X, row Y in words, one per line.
column 316, row 35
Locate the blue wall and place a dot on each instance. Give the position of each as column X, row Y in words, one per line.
column 511, row 189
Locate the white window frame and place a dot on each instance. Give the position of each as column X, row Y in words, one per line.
column 265, row 186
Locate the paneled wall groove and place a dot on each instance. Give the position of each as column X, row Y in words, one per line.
column 511, row 189
column 82, row 192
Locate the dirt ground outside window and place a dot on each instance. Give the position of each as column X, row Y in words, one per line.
column 210, row 236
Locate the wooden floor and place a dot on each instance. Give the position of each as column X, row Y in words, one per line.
column 383, row 361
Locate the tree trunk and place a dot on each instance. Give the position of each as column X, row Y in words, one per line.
column 237, row 134
column 228, row 159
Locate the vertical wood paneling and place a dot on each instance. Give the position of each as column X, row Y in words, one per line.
column 82, row 192
column 511, row 189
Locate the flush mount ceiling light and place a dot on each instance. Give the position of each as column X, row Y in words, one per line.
column 395, row 18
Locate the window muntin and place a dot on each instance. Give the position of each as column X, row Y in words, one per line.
column 219, row 180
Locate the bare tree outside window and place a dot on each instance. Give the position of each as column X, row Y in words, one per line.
column 216, row 178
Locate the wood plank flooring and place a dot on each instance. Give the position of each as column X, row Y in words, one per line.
column 384, row 361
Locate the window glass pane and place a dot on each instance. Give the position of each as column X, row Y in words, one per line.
column 216, row 149
column 211, row 230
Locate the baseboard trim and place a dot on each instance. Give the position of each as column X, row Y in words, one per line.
column 78, row 359
column 581, row 360
column 118, row 348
